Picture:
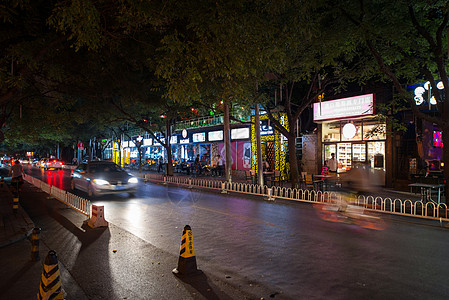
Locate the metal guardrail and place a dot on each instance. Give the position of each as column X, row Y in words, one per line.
column 78, row 203
column 395, row 206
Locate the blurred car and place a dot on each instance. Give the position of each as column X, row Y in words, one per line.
column 102, row 177
column 52, row 163
column 35, row 162
column 24, row 161
column 42, row 161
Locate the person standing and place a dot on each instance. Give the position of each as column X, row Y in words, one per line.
column 219, row 166
column 16, row 173
column 160, row 164
column 332, row 164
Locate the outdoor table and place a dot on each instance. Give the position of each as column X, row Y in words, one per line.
column 426, row 190
column 322, row 182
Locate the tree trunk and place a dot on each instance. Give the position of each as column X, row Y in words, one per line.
column 227, row 142
column 169, row 166
column 294, row 168
column 258, row 146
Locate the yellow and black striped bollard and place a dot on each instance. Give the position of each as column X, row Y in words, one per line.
column 15, row 203
column 35, row 244
column 51, row 286
column 187, row 259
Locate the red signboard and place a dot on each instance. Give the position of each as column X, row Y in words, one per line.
column 80, row 146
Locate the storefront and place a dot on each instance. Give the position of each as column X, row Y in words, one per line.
column 274, row 144
column 350, row 130
column 209, row 143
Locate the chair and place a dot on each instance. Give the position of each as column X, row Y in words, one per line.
column 253, row 176
column 308, row 181
column 276, row 179
column 248, row 177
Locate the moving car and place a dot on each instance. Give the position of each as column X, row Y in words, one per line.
column 102, row 177
column 53, row 164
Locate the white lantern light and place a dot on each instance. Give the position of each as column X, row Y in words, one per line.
column 433, row 101
column 419, row 100
column 349, row 130
column 419, row 91
column 440, row 85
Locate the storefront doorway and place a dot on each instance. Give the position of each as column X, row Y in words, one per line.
column 347, row 154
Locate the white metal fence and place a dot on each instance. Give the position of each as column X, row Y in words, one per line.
column 429, row 210
column 78, row 203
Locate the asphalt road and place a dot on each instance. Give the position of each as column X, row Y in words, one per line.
column 279, row 249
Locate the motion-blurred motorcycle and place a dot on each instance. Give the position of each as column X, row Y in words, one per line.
column 345, row 211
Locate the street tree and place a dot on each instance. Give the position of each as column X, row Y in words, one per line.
column 407, row 42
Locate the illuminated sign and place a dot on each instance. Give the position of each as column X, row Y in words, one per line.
column 265, row 128
column 184, row 133
column 199, row 137
column 131, row 144
column 30, row 153
column 437, row 139
column 173, row 139
column 184, row 141
column 344, row 108
column 147, row 142
column 240, row 133
column 125, row 144
column 215, row 136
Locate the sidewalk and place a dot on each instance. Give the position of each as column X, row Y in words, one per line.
column 13, row 226
column 382, row 192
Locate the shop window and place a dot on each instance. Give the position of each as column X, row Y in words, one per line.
column 331, row 132
column 373, row 130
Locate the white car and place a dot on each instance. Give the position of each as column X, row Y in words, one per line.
column 52, row 163
column 102, row 177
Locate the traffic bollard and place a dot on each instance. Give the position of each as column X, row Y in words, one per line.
column 15, row 204
column 35, row 244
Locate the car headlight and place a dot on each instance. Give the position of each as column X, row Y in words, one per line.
column 101, row 181
column 132, row 180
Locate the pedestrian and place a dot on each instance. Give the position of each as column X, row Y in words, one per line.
column 265, row 165
column 160, row 164
column 332, row 164
column 16, row 173
column 219, row 165
column 197, row 165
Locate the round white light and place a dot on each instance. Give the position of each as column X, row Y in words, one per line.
column 433, row 101
column 349, row 130
column 427, row 85
column 419, row 100
column 440, row 85
column 419, row 91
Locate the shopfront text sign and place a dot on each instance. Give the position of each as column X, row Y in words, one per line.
column 344, row 108
column 215, row 136
column 265, row 128
column 239, row 133
column 199, row 137
column 184, row 141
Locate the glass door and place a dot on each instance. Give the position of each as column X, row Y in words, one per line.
column 328, row 150
column 358, row 152
column 344, row 156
